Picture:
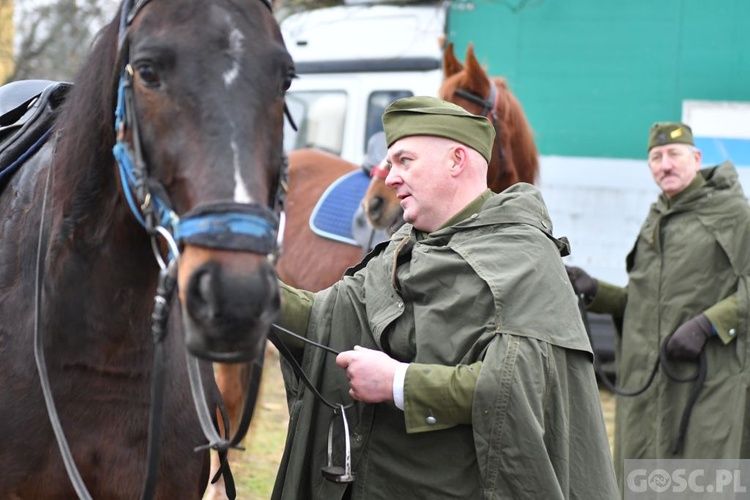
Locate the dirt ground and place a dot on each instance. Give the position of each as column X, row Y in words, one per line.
column 255, row 468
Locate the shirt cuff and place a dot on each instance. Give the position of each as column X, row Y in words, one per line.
column 398, row 385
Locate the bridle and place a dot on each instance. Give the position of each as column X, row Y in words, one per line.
column 489, row 106
column 231, row 226
column 227, row 225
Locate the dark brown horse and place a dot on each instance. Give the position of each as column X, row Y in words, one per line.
column 514, row 155
column 196, row 91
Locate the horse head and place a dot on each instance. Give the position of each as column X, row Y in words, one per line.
column 222, row 168
column 380, row 205
column 200, row 88
column 514, row 155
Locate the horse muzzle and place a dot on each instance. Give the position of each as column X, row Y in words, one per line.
column 229, row 301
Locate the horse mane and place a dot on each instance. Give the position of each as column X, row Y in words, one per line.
column 517, row 137
column 83, row 155
column 520, row 162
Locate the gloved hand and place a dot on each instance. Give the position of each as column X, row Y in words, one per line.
column 583, row 284
column 688, row 340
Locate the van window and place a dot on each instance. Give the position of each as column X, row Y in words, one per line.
column 376, row 105
column 319, row 117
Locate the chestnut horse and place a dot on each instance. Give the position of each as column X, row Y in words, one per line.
column 514, row 155
column 317, row 265
column 189, row 96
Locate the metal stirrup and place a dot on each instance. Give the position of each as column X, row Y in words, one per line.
column 336, row 473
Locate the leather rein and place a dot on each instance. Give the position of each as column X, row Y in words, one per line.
column 253, row 228
column 661, row 360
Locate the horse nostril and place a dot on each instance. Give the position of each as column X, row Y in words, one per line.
column 376, row 206
column 206, row 293
column 201, row 294
column 217, row 295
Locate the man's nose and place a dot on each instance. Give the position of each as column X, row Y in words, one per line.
column 392, row 179
column 664, row 163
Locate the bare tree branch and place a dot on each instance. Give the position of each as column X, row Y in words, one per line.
column 54, row 36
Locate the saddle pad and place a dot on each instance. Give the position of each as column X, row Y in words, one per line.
column 333, row 215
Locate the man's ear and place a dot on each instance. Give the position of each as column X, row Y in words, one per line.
column 460, row 159
column 698, row 157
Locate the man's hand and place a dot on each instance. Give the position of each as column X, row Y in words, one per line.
column 370, row 374
column 583, row 284
column 688, row 340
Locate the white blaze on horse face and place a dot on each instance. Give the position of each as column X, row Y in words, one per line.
column 235, row 51
column 241, row 194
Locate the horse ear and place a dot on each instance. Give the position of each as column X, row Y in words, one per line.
column 471, row 60
column 476, row 72
column 451, row 65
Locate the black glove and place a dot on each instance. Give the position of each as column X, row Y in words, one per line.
column 688, row 340
column 583, row 284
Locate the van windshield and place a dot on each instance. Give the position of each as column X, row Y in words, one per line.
column 320, row 118
column 376, row 104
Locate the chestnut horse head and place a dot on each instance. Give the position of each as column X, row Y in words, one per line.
column 514, row 155
column 189, row 95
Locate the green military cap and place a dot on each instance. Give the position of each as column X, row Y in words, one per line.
column 669, row 133
column 421, row 115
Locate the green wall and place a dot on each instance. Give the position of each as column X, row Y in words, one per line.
column 593, row 75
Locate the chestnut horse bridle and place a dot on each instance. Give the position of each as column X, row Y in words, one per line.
column 248, row 227
column 489, row 106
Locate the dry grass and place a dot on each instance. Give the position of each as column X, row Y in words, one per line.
column 255, row 469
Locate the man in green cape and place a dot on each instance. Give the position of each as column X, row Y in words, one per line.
column 687, row 297
column 464, row 371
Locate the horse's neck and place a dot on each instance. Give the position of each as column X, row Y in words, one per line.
column 93, row 234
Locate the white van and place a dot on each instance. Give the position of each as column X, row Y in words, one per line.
column 352, row 61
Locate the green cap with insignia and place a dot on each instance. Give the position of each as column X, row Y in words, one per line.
column 663, row 133
column 421, row 115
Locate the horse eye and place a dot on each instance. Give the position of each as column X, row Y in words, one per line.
column 148, row 74
column 291, row 75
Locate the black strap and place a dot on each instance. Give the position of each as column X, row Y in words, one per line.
column 488, row 107
column 289, row 356
column 662, row 359
column 159, row 317
column 54, row 418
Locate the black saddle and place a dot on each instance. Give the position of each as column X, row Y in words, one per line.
column 27, row 112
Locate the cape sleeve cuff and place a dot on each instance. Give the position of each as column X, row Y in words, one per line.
column 609, row 299
column 723, row 317
column 296, row 306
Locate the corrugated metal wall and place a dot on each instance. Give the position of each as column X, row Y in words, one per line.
column 593, row 75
